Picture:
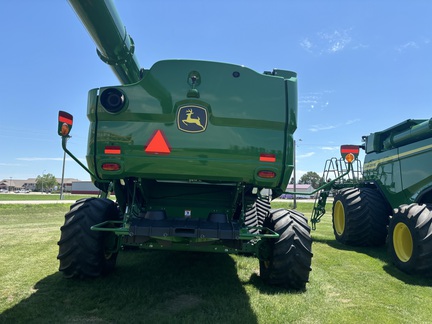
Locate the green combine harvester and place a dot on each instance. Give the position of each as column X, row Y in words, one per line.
column 390, row 200
column 194, row 152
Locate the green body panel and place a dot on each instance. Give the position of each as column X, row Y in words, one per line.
column 403, row 174
column 248, row 115
column 397, row 160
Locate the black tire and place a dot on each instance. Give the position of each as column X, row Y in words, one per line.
column 83, row 252
column 263, row 207
column 256, row 215
column 286, row 261
column 410, row 239
column 251, row 218
column 360, row 217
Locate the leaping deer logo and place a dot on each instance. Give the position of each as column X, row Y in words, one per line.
column 192, row 120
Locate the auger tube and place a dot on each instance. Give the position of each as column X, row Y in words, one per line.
column 114, row 46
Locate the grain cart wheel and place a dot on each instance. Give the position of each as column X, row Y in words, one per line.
column 83, row 252
column 286, row 261
column 360, row 217
column 410, row 238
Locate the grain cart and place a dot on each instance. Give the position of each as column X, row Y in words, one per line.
column 188, row 148
column 391, row 200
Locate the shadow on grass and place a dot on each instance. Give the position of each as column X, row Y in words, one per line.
column 380, row 253
column 415, row 280
column 257, row 282
column 151, row 287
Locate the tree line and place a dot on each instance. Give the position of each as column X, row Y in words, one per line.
column 311, row 178
column 46, row 182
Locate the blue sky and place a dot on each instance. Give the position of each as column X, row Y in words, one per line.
column 362, row 66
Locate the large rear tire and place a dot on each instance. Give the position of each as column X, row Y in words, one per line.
column 83, row 252
column 410, row 239
column 286, row 261
column 360, row 217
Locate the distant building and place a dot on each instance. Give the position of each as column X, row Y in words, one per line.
column 16, row 184
column 84, row 188
column 305, row 189
column 30, row 184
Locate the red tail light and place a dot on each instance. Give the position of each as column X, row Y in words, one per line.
column 354, row 149
column 266, row 174
column 111, row 166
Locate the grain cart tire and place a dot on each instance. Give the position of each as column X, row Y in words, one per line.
column 83, row 252
column 410, row 239
column 256, row 215
column 360, row 217
column 286, row 261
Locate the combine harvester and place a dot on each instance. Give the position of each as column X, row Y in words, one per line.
column 391, row 200
column 192, row 150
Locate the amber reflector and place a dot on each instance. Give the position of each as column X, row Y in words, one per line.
column 349, row 157
column 264, row 157
column 112, row 150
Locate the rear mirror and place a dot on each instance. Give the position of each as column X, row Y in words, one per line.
column 65, row 121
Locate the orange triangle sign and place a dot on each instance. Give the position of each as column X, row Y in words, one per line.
column 157, row 144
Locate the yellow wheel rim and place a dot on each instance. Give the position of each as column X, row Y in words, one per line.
column 402, row 242
column 339, row 218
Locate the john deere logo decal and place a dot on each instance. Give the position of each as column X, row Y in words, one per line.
column 192, row 119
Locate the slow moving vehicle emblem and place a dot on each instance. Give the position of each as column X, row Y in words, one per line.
column 192, row 119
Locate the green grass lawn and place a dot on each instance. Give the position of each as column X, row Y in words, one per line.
column 30, row 196
column 347, row 285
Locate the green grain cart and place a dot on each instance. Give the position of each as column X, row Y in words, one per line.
column 192, row 150
column 391, row 200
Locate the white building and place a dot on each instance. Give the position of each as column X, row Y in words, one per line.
column 305, row 190
column 30, row 184
column 84, row 188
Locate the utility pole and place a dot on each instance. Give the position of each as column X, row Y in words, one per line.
column 42, row 180
column 294, row 177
